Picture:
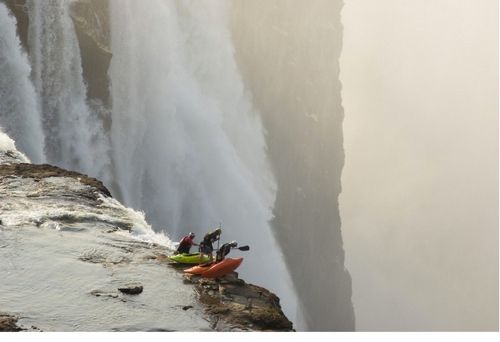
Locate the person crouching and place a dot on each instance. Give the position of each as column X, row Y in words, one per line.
column 224, row 250
column 185, row 244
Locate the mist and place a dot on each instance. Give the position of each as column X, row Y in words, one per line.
column 288, row 54
column 419, row 202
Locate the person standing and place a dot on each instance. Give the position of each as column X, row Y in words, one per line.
column 206, row 246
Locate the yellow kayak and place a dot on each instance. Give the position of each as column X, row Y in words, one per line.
column 193, row 258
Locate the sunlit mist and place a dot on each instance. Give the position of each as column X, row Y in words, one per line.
column 419, row 205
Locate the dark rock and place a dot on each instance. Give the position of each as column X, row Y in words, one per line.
column 187, row 307
column 8, row 323
column 99, row 293
column 231, row 304
column 131, row 290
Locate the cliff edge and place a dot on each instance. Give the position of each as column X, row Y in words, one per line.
column 78, row 260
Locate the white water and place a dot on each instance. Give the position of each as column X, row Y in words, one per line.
column 74, row 137
column 188, row 147
column 10, row 153
column 66, row 205
column 64, row 247
column 19, row 115
column 74, row 134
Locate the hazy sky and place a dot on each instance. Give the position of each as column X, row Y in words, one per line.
column 420, row 185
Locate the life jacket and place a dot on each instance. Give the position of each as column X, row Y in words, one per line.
column 187, row 240
column 223, row 251
column 185, row 244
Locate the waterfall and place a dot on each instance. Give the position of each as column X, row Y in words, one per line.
column 19, row 114
column 188, row 146
column 74, row 137
column 185, row 143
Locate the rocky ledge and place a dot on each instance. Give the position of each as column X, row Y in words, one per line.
column 8, row 323
column 133, row 276
column 232, row 304
column 38, row 172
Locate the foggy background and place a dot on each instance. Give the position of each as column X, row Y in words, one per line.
column 419, row 202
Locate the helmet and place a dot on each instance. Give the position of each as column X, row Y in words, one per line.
column 191, row 235
column 233, row 244
column 218, row 230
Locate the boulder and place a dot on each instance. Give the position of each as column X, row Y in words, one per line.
column 131, row 290
column 8, row 323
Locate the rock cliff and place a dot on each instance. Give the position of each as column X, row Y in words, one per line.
column 288, row 54
column 77, row 260
column 8, row 323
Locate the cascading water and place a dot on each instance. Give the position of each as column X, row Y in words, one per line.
column 74, row 137
column 186, row 144
column 19, row 114
column 188, row 148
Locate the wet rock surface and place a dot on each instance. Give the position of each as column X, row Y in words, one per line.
column 82, row 252
column 8, row 323
column 35, row 171
column 233, row 305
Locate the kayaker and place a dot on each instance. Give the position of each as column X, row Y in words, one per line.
column 206, row 246
column 224, row 250
column 186, row 243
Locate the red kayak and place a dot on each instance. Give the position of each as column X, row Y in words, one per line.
column 216, row 270
column 199, row 269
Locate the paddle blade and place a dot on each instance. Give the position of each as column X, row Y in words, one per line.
column 244, row 248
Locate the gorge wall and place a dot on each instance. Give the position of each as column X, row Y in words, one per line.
column 288, row 52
